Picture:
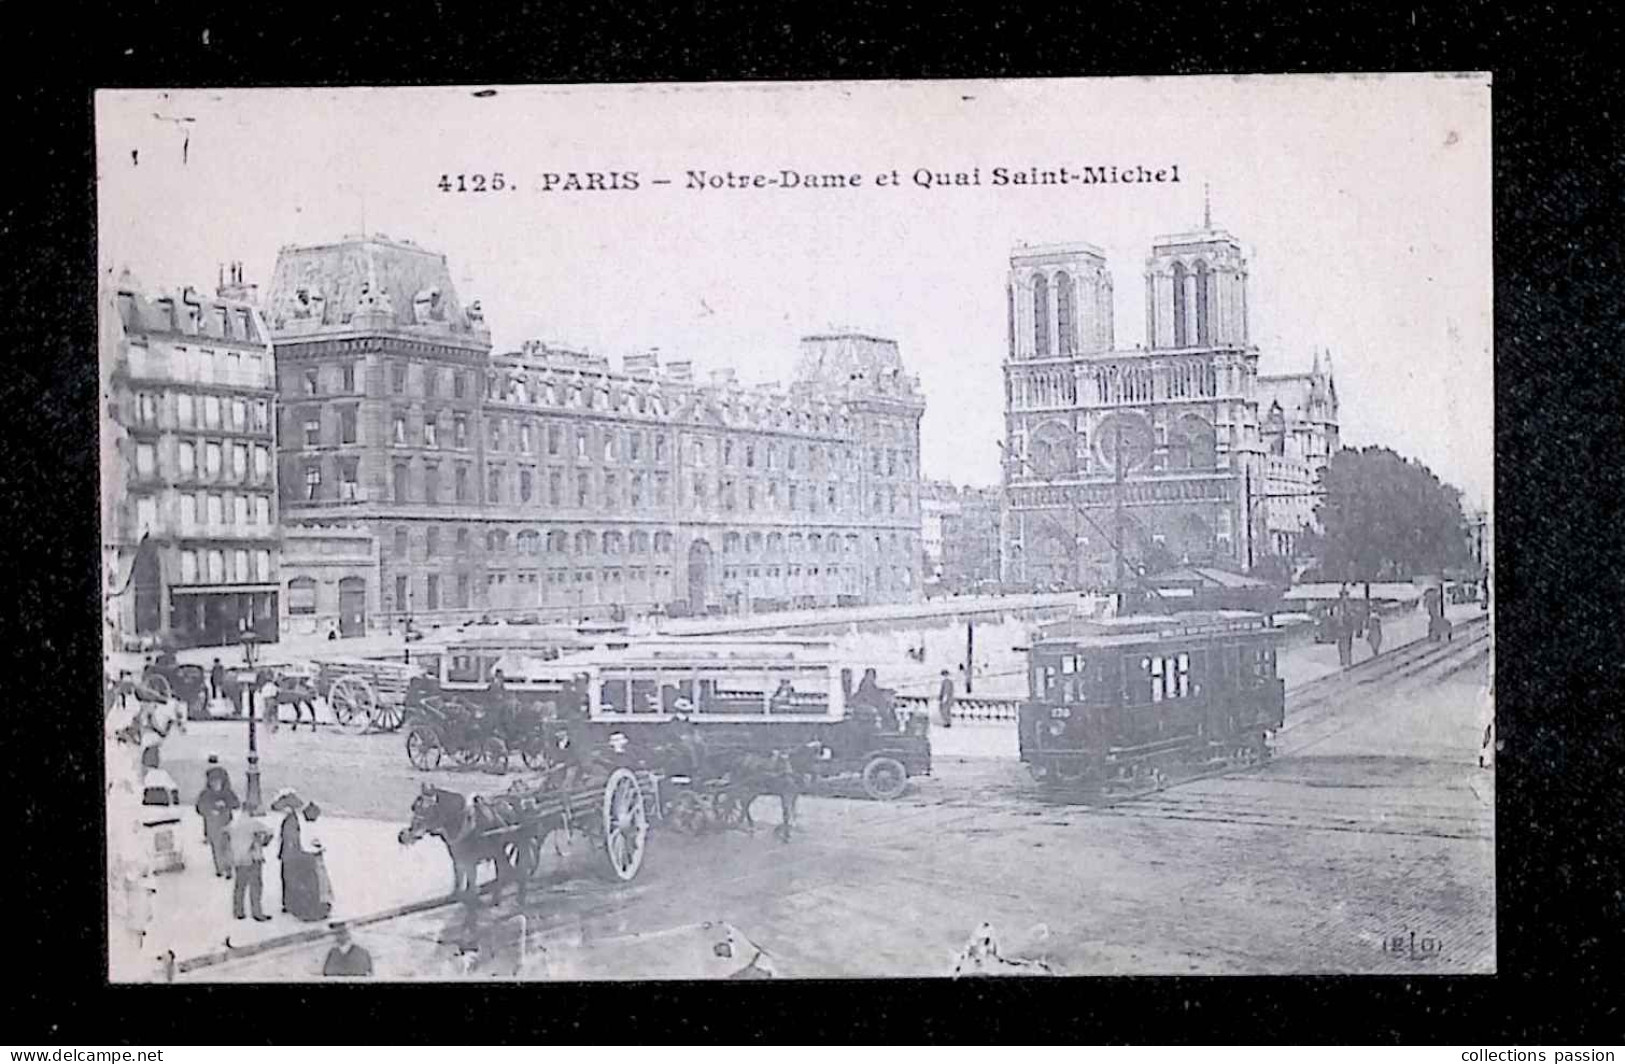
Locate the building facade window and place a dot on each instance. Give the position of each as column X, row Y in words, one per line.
column 348, row 427
column 302, row 595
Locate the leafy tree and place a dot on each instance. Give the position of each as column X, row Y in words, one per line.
column 1387, row 517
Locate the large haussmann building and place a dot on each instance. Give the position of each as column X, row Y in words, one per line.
column 541, row 482
column 190, row 536
column 1180, row 444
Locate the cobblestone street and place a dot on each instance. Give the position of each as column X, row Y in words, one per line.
column 1366, row 845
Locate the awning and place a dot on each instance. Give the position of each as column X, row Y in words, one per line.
column 222, row 589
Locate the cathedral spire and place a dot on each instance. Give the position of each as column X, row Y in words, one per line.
column 1316, row 369
column 1207, row 207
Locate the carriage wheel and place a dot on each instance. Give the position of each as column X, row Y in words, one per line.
column 684, row 813
column 353, row 702
column 160, row 683
column 467, row 754
column 389, row 716
column 534, row 755
column 626, row 824
column 423, row 749
column 495, row 755
column 884, row 778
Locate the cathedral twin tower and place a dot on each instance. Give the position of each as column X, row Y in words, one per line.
column 1182, row 408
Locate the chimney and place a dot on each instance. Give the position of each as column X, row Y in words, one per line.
column 644, row 365
column 234, row 288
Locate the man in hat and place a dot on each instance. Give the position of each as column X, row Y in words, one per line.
column 248, row 835
column 346, row 958
column 945, row 699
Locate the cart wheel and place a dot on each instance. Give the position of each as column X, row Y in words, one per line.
column 884, row 778
column 353, row 702
column 626, row 824
column 468, row 754
column 495, row 755
column 423, row 749
column 684, row 813
column 389, row 716
column 160, row 683
column 534, row 755
column 530, row 854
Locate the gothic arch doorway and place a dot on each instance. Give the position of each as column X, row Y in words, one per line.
column 699, row 575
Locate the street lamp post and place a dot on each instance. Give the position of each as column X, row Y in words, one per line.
column 250, row 641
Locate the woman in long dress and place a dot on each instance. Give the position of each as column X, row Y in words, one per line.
column 321, row 897
column 290, row 851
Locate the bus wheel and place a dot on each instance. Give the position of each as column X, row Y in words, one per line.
column 884, row 778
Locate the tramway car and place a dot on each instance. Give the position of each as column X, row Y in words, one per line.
column 1116, row 699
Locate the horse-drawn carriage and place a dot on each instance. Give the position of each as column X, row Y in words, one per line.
column 612, row 806
column 188, row 684
column 365, row 693
column 470, row 732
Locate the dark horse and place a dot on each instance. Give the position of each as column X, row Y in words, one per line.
column 474, row 831
column 751, row 775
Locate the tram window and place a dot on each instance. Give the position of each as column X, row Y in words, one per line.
column 429, row 663
column 1183, row 675
column 612, row 696
column 1158, row 678
column 1137, row 682
column 1043, row 681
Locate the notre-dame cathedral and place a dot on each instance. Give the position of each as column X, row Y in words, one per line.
column 1210, row 463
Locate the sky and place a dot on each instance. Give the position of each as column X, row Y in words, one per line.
column 1362, row 202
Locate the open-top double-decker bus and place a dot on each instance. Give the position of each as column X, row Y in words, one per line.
column 771, row 694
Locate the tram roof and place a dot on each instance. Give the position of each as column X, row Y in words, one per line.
column 1142, row 628
column 679, row 652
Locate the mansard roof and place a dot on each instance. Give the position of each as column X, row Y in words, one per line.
column 369, row 283
column 188, row 315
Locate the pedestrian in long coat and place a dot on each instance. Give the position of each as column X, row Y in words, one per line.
column 1373, row 633
column 215, row 805
column 945, row 699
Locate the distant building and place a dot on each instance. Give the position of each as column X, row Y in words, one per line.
column 970, row 540
column 1298, row 424
column 190, row 539
column 542, row 482
column 938, row 498
column 959, row 533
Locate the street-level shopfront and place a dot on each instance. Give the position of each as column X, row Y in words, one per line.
column 219, row 614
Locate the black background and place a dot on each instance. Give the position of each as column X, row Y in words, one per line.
column 1559, row 495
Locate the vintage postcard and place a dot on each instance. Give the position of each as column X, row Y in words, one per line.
column 811, row 530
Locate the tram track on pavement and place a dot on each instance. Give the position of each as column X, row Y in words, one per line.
column 1415, row 664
